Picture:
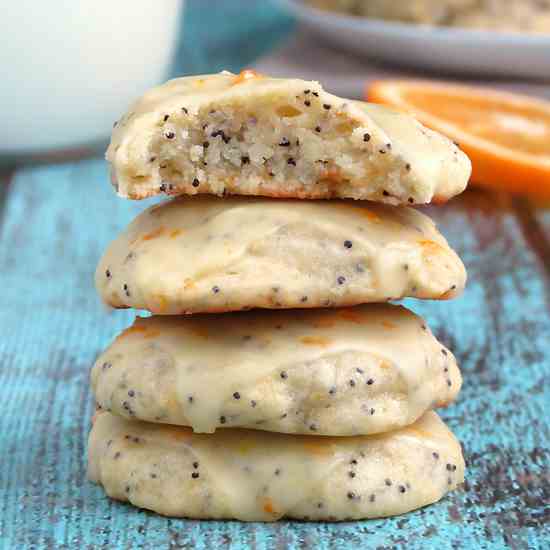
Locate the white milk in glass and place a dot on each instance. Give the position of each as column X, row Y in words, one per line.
column 70, row 68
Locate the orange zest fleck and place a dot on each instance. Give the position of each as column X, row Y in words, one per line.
column 422, row 434
column 370, row 215
column 152, row 334
column 268, row 506
column 506, row 135
column 162, row 304
column 153, row 234
column 352, row 316
column 177, row 433
column 360, row 210
column 318, row 446
column 188, row 284
column 132, row 330
column 315, row 341
column 333, row 175
column 430, row 246
column 388, row 325
column 246, row 74
column 175, row 233
column 146, row 332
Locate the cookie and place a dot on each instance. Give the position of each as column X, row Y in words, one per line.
column 424, row 12
column 351, row 371
column 207, row 254
column 525, row 16
column 411, row 11
column 251, row 475
column 249, row 134
column 531, row 16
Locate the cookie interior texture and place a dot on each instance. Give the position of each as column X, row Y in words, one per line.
column 350, row 371
column 261, row 476
column 207, row 254
column 254, row 135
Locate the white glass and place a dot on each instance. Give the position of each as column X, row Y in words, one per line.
column 70, row 68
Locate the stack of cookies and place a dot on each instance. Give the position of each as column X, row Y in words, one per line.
column 316, row 404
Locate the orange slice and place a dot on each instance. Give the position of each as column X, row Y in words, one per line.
column 507, row 136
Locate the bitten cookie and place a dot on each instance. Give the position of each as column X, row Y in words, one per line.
column 351, row 371
column 260, row 476
column 207, row 254
column 250, row 134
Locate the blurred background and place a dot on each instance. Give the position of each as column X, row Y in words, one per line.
column 71, row 68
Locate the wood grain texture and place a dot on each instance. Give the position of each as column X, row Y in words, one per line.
column 57, row 221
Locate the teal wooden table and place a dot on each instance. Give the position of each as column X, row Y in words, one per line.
column 55, row 222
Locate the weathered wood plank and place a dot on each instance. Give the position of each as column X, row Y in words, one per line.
column 57, row 222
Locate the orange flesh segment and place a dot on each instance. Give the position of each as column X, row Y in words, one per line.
column 522, row 129
column 507, row 136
